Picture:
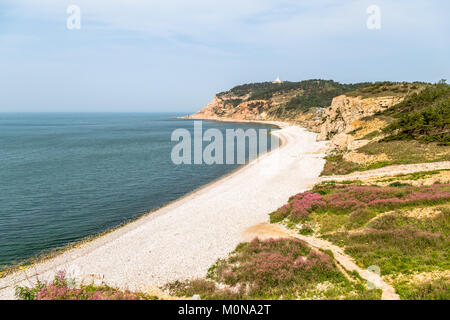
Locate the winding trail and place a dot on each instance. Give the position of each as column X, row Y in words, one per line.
column 390, row 170
column 348, row 263
column 183, row 239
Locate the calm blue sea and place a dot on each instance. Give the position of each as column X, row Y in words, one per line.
column 67, row 176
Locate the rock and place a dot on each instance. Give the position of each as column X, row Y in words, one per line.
column 341, row 141
column 94, row 278
column 334, row 123
column 344, row 112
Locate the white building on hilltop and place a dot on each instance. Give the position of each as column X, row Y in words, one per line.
column 277, row 80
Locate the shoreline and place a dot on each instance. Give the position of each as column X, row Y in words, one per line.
column 279, row 124
column 52, row 253
column 45, row 268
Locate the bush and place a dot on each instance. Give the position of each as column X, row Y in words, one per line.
column 360, row 202
column 336, row 164
column 424, row 117
column 298, row 207
column 62, row 288
column 403, row 249
column 275, row 269
column 430, row 290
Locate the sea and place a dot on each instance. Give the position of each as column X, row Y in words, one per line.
column 68, row 176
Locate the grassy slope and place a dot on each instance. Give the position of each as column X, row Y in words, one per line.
column 400, row 224
column 276, row 269
column 424, row 117
column 386, row 88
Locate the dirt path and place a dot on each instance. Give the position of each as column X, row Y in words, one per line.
column 346, row 261
column 349, row 265
column 390, row 170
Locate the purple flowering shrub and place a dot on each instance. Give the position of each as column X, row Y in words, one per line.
column 360, row 201
column 437, row 289
column 299, row 206
column 397, row 241
column 403, row 249
column 275, row 267
column 207, row 289
column 62, row 288
column 400, row 243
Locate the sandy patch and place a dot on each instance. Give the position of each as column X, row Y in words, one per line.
column 390, row 171
column 427, row 180
column 362, row 158
column 264, row 231
column 422, row 213
column 419, row 277
column 365, row 127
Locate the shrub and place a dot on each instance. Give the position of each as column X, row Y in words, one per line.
column 336, row 164
column 62, row 288
column 430, row 290
column 298, row 207
column 276, row 268
column 361, row 202
column 404, row 249
column 424, row 117
column 207, row 289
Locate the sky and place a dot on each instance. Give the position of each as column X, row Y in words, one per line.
column 174, row 55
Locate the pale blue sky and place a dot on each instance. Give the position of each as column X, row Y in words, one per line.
column 174, row 55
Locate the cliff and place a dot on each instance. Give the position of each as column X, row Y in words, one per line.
column 327, row 107
column 344, row 117
column 223, row 107
column 301, row 102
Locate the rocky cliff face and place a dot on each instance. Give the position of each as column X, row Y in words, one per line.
column 299, row 102
column 231, row 107
column 344, row 115
column 333, row 123
column 311, row 105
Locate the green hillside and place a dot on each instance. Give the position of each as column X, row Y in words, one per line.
column 424, row 117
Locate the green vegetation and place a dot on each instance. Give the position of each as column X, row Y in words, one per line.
column 307, row 94
column 258, row 88
column 386, row 88
column 420, row 100
column 402, row 229
column 424, row 117
column 398, row 152
column 372, row 135
column 429, row 290
column 412, row 176
column 325, row 89
column 62, row 288
column 400, row 249
column 417, row 131
column 406, row 152
column 276, row 269
column 336, row 164
column 318, row 94
column 235, row 102
column 351, row 206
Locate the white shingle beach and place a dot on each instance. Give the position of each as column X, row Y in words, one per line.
column 183, row 239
